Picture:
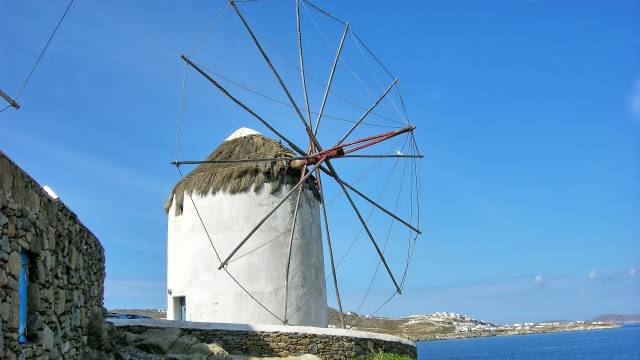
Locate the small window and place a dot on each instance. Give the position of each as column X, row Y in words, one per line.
column 23, row 284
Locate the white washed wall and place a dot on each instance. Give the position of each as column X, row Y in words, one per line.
column 211, row 295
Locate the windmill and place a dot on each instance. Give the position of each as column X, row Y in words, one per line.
column 295, row 175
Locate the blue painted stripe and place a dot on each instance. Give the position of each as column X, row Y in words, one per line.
column 22, row 293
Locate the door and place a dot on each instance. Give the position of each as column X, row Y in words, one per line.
column 180, row 308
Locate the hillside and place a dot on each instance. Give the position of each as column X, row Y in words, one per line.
column 445, row 325
column 152, row 313
column 618, row 318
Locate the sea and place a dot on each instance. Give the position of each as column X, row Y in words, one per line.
column 608, row 344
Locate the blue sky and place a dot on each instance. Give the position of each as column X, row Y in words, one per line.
column 528, row 113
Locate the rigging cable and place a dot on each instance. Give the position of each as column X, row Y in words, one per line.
column 329, row 15
column 415, row 164
column 255, row 92
column 414, row 142
column 35, row 65
column 378, row 309
column 375, row 273
column 320, row 84
column 413, row 177
column 215, row 22
column 342, row 258
column 375, row 76
column 346, row 63
column 324, row 12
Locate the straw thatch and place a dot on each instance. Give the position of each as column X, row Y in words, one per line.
column 239, row 177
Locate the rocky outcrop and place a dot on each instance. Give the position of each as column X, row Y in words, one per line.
column 173, row 344
column 65, row 271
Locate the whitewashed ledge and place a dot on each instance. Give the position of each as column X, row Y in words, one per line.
column 257, row 328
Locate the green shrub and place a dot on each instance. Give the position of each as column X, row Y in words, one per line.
column 384, row 356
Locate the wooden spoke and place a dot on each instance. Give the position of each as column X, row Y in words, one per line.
column 293, row 229
column 330, row 81
column 333, row 266
column 273, row 69
column 242, row 105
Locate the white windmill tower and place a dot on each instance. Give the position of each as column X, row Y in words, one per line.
column 227, row 199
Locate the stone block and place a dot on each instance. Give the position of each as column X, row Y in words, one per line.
column 12, row 283
column 47, row 338
column 3, row 220
column 34, row 324
column 65, row 347
column 11, row 227
column 217, row 352
column 75, row 317
column 158, row 341
column 61, row 298
column 74, row 258
column 4, row 280
column 1, row 343
column 23, row 243
column 38, row 244
column 25, row 224
column 14, row 313
column 14, row 264
column 51, row 239
column 39, row 272
column 33, row 297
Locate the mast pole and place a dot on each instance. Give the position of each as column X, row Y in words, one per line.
column 413, row 156
column 371, row 156
column 11, row 101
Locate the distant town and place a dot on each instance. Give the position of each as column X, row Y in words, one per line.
column 449, row 325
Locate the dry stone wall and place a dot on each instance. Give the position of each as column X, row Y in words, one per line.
column 279, row 343
column 65, row 271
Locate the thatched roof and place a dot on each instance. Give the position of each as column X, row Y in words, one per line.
column 239, row 177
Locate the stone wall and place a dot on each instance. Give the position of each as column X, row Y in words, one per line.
column 65, row 272
column 280, row 341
